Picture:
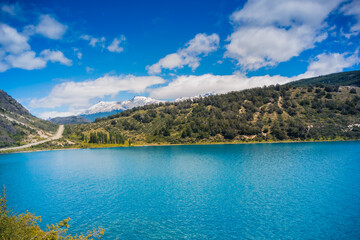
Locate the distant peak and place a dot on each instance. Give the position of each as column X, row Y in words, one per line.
column 104, row 106
column 140, row 97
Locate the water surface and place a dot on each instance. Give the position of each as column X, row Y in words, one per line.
column 250, row 191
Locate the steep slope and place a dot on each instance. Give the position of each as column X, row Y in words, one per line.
column 261, row 114
column 18, row 126
column 336, row 79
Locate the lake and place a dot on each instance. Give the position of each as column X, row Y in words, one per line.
column 248, row 191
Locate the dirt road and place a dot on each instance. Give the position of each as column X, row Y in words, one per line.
column 57, row 135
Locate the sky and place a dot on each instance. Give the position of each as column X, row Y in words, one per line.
column 58, row 58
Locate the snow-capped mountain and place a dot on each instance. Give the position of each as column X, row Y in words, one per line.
column 192, row 98
column 105, row 109
column 103, row 106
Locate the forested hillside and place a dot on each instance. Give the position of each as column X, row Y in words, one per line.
column 261, row 114
column 351, row 78
column 18, row 126
column 69, row 120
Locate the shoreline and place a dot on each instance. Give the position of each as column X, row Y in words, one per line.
column 177, row 144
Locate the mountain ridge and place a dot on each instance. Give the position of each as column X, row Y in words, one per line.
column 18, row 126
column 105, row 109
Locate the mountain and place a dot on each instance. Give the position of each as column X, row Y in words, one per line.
column 104, row 109
column 192, row 98
column 273, row 113
column 18, row 126
column 340, row 79
column 69, row 120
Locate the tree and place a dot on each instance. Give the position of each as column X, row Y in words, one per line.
column 25, row 226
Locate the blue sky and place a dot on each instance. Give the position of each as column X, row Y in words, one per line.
column 60, row 57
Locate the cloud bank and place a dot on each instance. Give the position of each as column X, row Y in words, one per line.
column 189, row 86
column 79, row 94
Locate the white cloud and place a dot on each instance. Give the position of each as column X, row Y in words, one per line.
column 85, row 37
column 93, row 41
column 115, row 45
column 55, row 56
column 269, row 32
column 26, row 60
column 78, row 53
column 353, row 9
column 79, row 94
column 54, row 114
column 189, row 86
column 12, row 41
column 13, row 9
column 330, row 63
column 15, row 52
column 4, row 67
column 202, row 44
column 50, row 27
column 89, row 69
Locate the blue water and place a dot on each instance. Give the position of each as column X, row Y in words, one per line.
column 252, row 191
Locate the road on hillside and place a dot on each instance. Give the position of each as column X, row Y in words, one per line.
column 57, row 135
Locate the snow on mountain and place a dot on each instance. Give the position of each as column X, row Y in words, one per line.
column 192, row 98
column 103, row 106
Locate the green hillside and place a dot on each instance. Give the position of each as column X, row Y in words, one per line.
column 336, row 79
column 274, row 113
column 18, row 126
column 69, row 120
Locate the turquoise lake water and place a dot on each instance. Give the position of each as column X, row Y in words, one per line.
column 250, row 191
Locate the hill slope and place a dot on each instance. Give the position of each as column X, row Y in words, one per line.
column 69, row 120
column 18, row 126
column 340, row 79
column 261, row 114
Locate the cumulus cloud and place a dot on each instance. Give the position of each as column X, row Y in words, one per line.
column 55, row 56
column 269, row 32
column 189, row 86
column 15, row 52
column 12, row 41
column 26, row 60
column 202, row 44
column 49, row 27
column 115, row 45
column 353, row 9
column 79, row 94
column 327, row 63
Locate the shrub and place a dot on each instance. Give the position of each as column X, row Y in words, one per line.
column 25, row 226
